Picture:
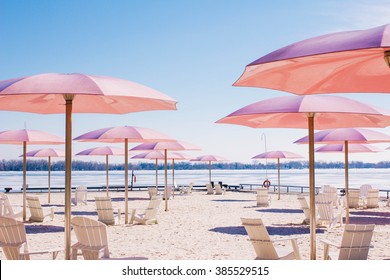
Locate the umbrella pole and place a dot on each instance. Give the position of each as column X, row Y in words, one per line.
column 68, row 172
column 173, row 177
column 210, row 171
column 107, row 175
column 126, row 180
column 48, row 178
column 346, row 164
column 156, row 174
column 166, row 180
column 312, row 187
column 24, row 180
column 278, row 178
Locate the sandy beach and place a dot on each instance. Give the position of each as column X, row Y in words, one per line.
column 202, row 227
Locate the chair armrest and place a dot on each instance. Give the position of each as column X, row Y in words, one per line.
column 330, row 243
column 294, row 244
column 54, row 252
column 284, row 239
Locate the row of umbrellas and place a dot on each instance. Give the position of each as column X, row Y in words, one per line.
column 355, row 61
column 342, row 62
column 53, row 93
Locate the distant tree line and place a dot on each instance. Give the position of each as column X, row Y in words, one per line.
column 41, row 165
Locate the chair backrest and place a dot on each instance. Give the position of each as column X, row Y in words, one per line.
column 260, row 239
column 81, row 195
column 90, row 234
column 218, row 188
column 324, row 198
column 353, row 198
column 190, row 186
column 356, row 242
column 328, row 188
column 152, row 191
column 34, row 204
column 372, row 198
column 331, row 192
column 105, row 210
column 304, row 206
column 364, row 189
column 151, row 211
column 325, row 211
column 5, row 206
column 12, row 237
column 262, row 197
column 209, row 189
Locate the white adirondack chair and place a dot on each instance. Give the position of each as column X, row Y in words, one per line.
column 219, row 190
column 105, row 211
column 148, row 215
column 372, row 200
column 91, row 237
column 36, row 210
column 364, row 190
column 305, row 208
column 354, row 199
column 355, row 243
column 328, row 215
column 262, row 197
column 13, row 241
column 264, row 246
column 92, row 240
column 331, row 192
column 187, row 189
column 152, row 191
column 6, row 209
column 80, row 195
column 209, row 189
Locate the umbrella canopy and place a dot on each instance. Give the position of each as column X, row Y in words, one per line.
column 346, row 136
column 348, row 62
column 278, row 155
column 103, row 151
column 166, row 146
column 124, row 134
column 209, row 158
column 28, row 137
column 52, row 93
column 317, row 111
column 47, row 153
column 352, row 148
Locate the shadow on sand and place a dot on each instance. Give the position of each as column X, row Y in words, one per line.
column 369, row 217
column 285, row 230
column 233, row 200
column 284, row 211
column 36, row 229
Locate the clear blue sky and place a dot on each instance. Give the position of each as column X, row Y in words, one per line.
column 192, row 51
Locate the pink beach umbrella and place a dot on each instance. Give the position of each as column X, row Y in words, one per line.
column 278, row 155
column 352, row 148
column 103, row 151
column 310, row 111
column 124, row 134
column 209, row 159
column 56, row 93
column 166, row 146
column 30, row 137
column 342, row 62
column 47, row 153
column 345, row 136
